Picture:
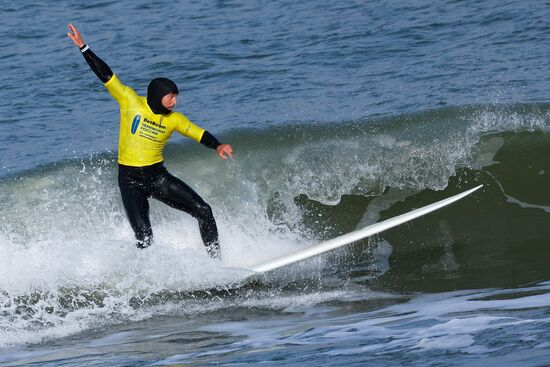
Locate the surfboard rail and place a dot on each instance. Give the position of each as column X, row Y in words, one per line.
column 358, row 234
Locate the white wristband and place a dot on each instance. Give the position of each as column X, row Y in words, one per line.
column 86, row 48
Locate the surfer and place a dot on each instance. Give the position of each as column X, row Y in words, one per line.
column 146, row 124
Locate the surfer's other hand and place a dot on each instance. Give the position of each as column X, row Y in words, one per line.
column 75, row 36
column 224, row 149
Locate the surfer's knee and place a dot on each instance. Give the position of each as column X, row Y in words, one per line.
column 203, row 211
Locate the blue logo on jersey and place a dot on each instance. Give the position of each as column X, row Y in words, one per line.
column 135, row 123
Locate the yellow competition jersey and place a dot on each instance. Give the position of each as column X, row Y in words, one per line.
column 143, row 134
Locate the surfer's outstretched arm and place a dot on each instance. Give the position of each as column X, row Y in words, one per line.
column 98, row 66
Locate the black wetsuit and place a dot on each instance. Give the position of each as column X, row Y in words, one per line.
column 137, row 184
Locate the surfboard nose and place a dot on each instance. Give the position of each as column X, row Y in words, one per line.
column 359, row 234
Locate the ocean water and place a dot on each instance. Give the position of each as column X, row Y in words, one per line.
column 340, row 114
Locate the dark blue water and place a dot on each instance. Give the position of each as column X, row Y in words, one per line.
column 340, row 114
column 259, row 64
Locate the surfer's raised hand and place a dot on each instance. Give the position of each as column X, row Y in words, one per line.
column 224, row 149
column 75, row 36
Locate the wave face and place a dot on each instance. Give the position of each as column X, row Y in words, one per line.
column 69, row 264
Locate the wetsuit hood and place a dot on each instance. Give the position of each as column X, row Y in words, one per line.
column 158, row 88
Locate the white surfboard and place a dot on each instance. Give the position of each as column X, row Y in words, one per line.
column 357, row 235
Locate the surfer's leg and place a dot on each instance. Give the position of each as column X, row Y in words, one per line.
column 136, row 206
column 177, row 194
